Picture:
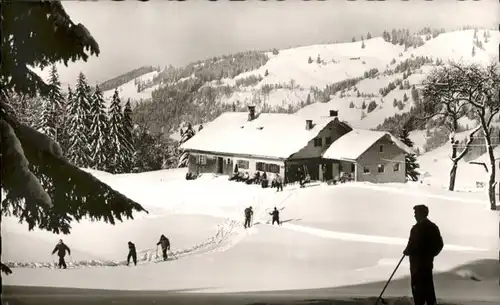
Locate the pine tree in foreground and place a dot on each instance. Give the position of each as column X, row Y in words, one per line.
column 411, row 164
column 117, row 146
column 78, row 123
column 53, row 193
column 99, row 133
column 128, row 141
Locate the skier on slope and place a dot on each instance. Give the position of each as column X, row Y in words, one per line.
column 248, row 217
column 165, row 245
column 132, row 254
column 61, row 249
column 276, row 216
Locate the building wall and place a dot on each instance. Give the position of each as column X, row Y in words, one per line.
column 229, row 163
column 334, row 130
column 194, row 167
column 310, row 166
column 372, row 158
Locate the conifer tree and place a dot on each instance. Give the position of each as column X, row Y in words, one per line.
column 411, row 164
column 64, row 135
column 116, row 139
column 52, row 193
column 99, row 133
column 127, row 129
column 78, row 123
column 185, row 136
column 51, row 120
column 45, row 124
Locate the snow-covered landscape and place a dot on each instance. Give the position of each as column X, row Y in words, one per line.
column 336, row 241
column 325, row 229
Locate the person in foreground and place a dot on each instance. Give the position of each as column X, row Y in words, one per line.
column 132, row 253
column 424, row 244
column 61, row 249
column 248, row 217
column 276, row 216
column 165, row 245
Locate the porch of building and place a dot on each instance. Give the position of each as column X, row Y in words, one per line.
column 336, row 170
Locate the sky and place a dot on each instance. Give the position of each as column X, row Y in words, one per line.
column 132, row 34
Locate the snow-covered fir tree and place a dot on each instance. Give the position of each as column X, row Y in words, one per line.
column 128, row 140
column 79, row 121
column 117, row 159
column 99, row 133
column 410, row 159
column 53, row 109
column 185, row 135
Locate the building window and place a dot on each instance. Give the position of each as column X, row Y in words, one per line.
column 318, row 142
column 202, row 159
column 328, row 140
column 243, row 164
column 381, row 168
column 366, row 170
column 267, row 167
column 353, row 167
column 381, row 148
column 273, row 168
column 228, row 160
column 396, row 167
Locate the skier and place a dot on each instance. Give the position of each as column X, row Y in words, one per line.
column 276, row 216
column 424, row 244
column 279, row 183
column 61, row 249
column 165, row 245
column 131, row 253
column 248, row 217
column 301, row 177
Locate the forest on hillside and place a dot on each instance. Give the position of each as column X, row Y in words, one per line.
column 126, row 77
column 193, row 93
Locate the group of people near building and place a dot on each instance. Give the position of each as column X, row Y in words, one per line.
column 61, row 248
column 257, row 178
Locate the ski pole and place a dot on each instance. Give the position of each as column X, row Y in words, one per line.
column 173, row 254
column 390, row 278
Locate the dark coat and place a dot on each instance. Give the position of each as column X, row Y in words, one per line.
column 131, row 248
column 275, row 214
column 248, row 212
column 61, row 250
column 424, row 244
column 164, row 242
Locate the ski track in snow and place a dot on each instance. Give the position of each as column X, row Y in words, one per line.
column 368, row 238
column 414, row 193
column 228, row 234
column 231, row 232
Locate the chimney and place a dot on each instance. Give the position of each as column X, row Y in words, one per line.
column 334, row 113
column 251, row 113
column 309, row 124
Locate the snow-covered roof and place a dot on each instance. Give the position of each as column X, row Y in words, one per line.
column 354, row 143
column 274, row 135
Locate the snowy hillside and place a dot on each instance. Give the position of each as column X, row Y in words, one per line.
column 309, row 80
column 129, row 90
column 317, row 246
